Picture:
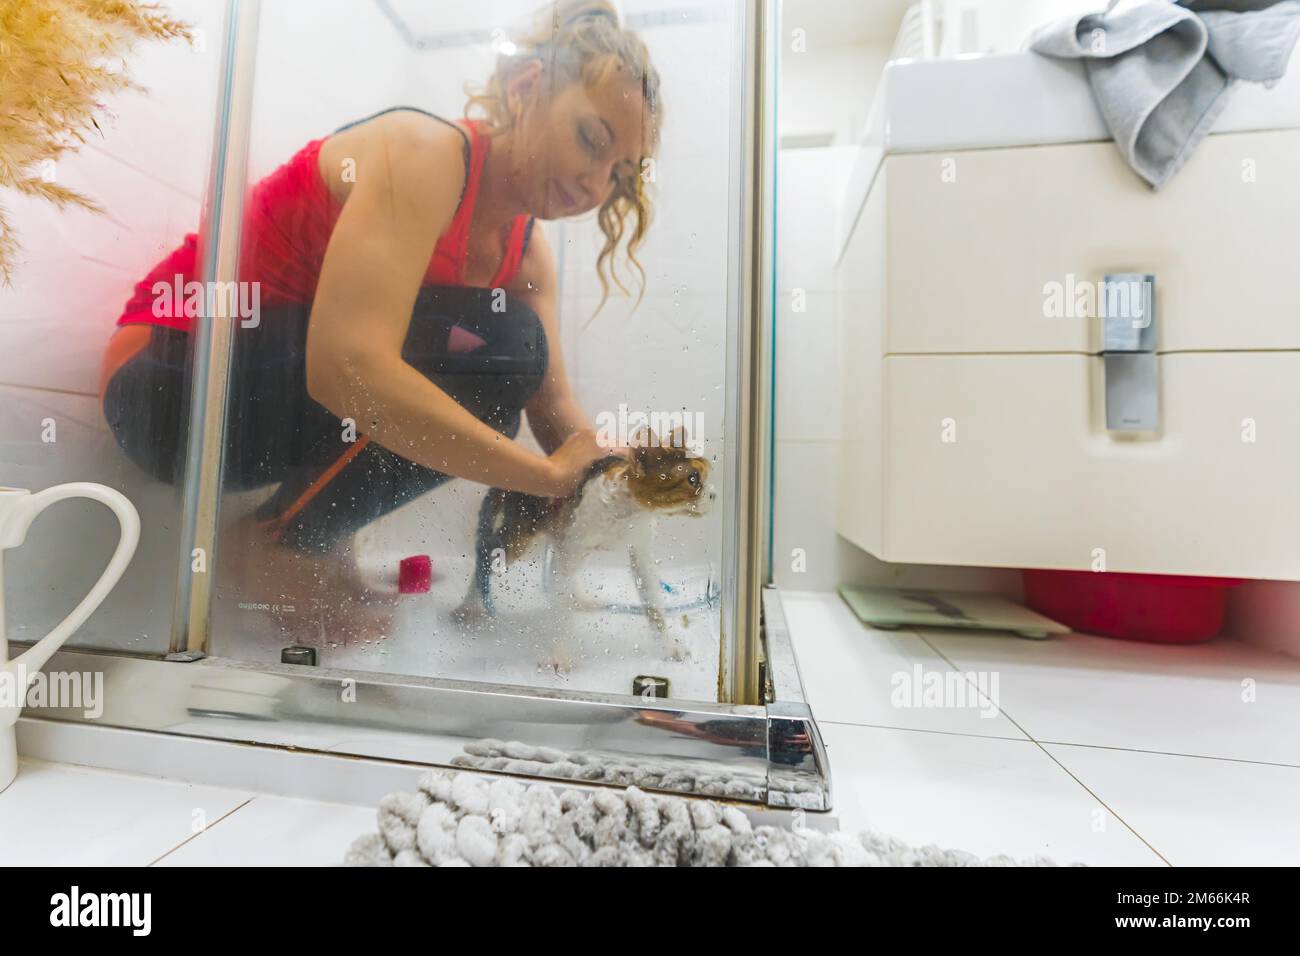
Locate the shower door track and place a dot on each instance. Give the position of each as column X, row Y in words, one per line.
column 770, row 753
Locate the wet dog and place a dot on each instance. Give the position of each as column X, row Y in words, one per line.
column 617, row 506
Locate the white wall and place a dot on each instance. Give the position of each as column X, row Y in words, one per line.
column 829, row 90
column 1000, row 26
column 148, row 171
column 828, row 87
column 808, row 400
column 321, row 64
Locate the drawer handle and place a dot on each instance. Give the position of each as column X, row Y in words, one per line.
column 1128, row 313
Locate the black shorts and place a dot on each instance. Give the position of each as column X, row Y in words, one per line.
column 276, row 434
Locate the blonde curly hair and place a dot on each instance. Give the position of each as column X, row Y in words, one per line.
column 584, row 41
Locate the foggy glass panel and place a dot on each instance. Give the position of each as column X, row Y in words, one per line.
column 323, row 527
column 61, row 417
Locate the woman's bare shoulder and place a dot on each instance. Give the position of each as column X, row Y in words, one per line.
column 405, row 148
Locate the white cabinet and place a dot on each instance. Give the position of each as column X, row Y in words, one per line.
column 974, row 413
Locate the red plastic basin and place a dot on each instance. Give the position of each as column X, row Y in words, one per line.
column 1160, row 608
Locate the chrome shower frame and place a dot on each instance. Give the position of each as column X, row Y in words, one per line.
column 759, row 744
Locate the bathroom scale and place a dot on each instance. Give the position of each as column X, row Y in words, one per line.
column 890, row 608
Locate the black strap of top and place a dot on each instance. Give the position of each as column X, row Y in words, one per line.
column 416, row 109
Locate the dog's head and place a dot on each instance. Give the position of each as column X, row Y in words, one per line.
column 664, row 477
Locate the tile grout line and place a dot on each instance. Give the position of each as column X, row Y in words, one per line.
column 1059, row 743
column 944, row 657
column 195, row 836
column 1069, row 743
column 1050, row 756
column 1171, row 753
column 47, row 389
column 926, row 730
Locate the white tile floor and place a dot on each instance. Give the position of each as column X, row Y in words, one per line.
column 55, row 814
column 1098, row 751
column 276, row 831
column 1102, row 751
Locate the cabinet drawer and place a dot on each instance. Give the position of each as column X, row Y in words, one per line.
column 1004, row 460
column 975, row 238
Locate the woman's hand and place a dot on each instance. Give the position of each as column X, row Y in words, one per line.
column 569, row 462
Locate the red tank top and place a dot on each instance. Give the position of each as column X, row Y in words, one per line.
column 288, row 220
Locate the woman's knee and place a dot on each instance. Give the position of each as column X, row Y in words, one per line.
column 517, row 333
column 461, row 332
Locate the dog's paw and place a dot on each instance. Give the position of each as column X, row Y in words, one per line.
column 657, row 619
column 583, row 603
column 559, row 661
column 470, row 614
column 678, row 651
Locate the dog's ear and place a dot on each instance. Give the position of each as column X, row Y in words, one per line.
column 645, row 449
column 636, row 460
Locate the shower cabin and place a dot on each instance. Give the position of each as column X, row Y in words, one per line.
column 575, row 685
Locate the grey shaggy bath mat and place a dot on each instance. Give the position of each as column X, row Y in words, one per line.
column 462, row 819
column 626, row 770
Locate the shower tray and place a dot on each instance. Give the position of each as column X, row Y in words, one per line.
column 769, row 753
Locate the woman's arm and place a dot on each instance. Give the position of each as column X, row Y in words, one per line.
column 409, row 179
column 553, row 412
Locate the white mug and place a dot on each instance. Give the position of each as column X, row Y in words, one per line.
column 17, row 509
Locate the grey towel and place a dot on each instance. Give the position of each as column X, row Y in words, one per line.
column 1161, row 72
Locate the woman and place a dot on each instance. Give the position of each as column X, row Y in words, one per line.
column 408, row 306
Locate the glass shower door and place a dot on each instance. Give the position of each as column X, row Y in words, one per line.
column 336, row 548
column 337, row 583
